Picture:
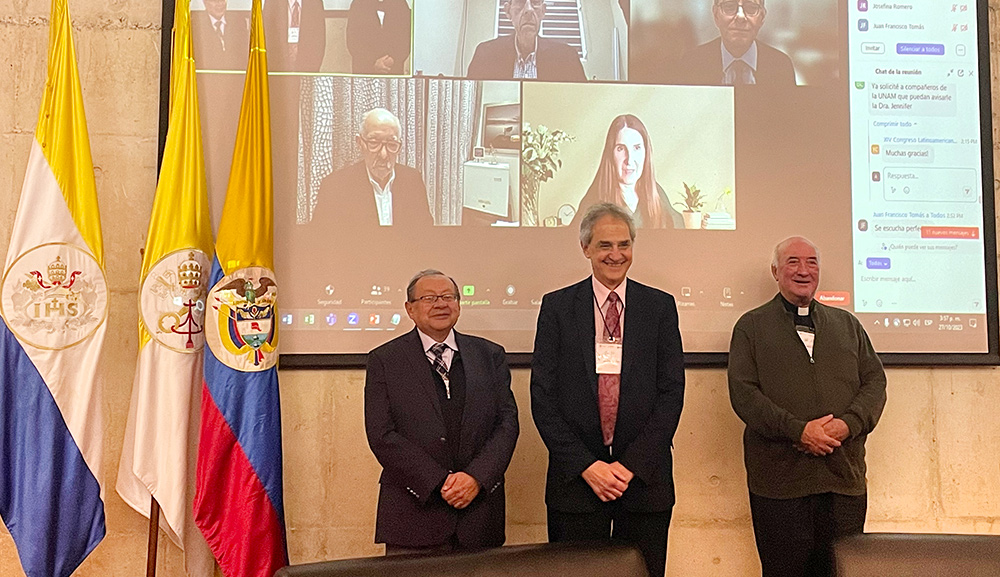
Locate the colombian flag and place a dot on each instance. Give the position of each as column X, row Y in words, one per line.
column 54, row 302
column 161, row 437
column 238, row 501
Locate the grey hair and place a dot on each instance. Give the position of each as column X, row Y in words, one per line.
column 599, row 211
column 781, row 246
column 412, row 286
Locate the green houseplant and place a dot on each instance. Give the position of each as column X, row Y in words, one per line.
column 539, row 163
column 691, row 205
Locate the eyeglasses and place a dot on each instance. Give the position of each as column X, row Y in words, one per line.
column 391, row 146
column 536, row 5
column 431, row 299
column 750, row 9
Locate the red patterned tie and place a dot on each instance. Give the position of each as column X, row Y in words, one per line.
column 608, row 385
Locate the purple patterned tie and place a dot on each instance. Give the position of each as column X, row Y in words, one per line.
column 438, row 349
column 609, row 385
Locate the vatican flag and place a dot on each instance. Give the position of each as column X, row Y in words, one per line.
column 160, row 450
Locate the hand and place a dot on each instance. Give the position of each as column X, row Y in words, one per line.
column 459, row 489
column 837, row 429
column 621, row 472
column 604, row 482
column 815, row 440
column 384, row 64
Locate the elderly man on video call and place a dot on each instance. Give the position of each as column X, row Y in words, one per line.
column 377, row 190
column 805, row 379
column 442, row 422
column 736, row 57
column 526, row 54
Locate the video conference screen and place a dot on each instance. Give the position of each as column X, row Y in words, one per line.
column 470, row 136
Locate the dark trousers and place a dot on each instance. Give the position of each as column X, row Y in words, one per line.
column 647, row 531
column 449, row 546
column 794, row 535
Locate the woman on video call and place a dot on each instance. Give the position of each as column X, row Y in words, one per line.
column 625, row 177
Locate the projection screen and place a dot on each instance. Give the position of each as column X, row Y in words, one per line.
column 863, row 125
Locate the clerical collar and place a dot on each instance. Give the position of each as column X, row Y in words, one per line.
column 803, row 316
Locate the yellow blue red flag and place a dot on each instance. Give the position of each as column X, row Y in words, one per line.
column 238, row 502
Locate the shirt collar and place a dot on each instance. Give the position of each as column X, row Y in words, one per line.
column 427, row 342
column 215, row 20
column 529, row 56
column 378, row 188
column 750, row 57
column 792, row 308
column 601, row 292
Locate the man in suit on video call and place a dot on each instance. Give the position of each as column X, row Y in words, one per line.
column 442, row 421
column 377, row 190
column 296, row 35
column 222, row 38
column 378, row 36
column 736, row 57
column 526, row 54
column 607, row 387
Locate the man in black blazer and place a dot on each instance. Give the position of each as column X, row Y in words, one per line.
column 609, row 435
column 736, row 57
column 526, row 54
column 296, row 35
column 442, row 422
column 378, row 36
column 222, row 38
column 377, row 191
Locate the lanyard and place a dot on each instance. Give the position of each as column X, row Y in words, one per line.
column 604, row 318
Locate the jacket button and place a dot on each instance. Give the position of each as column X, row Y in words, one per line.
column 443, row 439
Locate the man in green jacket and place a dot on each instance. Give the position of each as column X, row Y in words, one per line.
column 806, row 381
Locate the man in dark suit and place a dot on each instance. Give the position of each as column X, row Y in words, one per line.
column 378, row 36
column 736, row 57
column 526, row 54
column 607, row 387
column 376, row 191
column 296, row 35
column 222, row 39
column 442, row 422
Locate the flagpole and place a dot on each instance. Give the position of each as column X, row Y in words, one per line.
column 154, row 536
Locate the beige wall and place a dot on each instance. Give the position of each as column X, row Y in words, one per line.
column 934, row 460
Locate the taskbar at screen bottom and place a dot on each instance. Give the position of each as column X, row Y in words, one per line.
column 360, row 329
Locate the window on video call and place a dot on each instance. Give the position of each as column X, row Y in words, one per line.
column 471, row 136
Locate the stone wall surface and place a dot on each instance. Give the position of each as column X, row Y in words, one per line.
column 934, row 461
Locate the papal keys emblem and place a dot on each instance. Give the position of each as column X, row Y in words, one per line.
column 241, row 328
column 172, row 300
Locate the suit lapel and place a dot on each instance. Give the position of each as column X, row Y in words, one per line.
column 585, row 325
column 417, row 361
column 636, row 327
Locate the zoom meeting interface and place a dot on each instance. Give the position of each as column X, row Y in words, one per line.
column 917, row 186
column 470, row 136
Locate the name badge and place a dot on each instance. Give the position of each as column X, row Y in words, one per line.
column 808, row 338
column 293, row 35
column 609, row 358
